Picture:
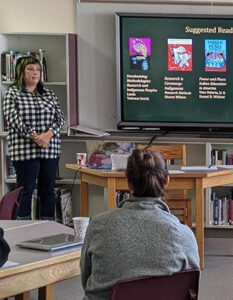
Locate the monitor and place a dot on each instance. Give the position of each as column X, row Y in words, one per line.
column 174, row 72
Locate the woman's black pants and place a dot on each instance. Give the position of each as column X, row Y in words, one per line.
column 44, row 171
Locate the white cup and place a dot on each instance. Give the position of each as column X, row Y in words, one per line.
column 80, row 227
column 81, row 159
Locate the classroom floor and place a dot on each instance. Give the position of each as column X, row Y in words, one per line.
column 216, row 278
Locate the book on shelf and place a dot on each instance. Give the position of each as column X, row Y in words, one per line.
column 35, row 205
column 5, row 128
column 219, row 212
column 8, row 67
column 221, row 209
column 10, row 169
column 44, row 74
column 224, row 156
column 3, row 66
column 66, row 208
column 225, row 214
column 215, row 209
column 59, row 190
column 122, row 195
column 13, row 59
column 211, row 209
column 9, row 61
column 63, row 208
column 231, row 211
column 221, row 157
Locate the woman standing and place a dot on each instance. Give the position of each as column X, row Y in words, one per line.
column 34, row 119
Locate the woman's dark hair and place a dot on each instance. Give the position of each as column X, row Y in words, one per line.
column 21, row 63
column 147, row 173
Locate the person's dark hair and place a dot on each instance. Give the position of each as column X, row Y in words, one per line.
column 21, row 63
column 147, row 173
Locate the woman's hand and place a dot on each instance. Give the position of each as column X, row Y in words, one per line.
column 43, row 139
column 33, row 136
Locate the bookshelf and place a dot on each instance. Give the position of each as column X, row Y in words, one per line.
column 219, row 203
column 61, row 61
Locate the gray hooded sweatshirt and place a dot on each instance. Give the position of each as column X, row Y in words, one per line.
column 142, row 238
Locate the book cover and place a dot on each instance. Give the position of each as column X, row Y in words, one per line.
column 215, row 55
column 179, row 54
column 140, row 53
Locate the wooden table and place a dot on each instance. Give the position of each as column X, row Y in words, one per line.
column 197, row 180
column 36, row 269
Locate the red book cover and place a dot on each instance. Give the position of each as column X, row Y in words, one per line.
column 179, row 55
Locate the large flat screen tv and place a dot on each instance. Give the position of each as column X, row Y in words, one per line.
column 175, row 72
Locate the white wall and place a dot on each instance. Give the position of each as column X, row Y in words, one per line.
column 38, row 16
column 96, row 55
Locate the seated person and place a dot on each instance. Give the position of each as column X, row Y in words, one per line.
column 141, row 237
column 4, row 248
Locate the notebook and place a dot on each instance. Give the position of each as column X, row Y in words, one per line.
column 52, row 242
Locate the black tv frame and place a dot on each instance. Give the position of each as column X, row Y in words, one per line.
column 220, row 129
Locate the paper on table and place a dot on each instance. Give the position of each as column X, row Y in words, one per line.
column 10, row 264
column 89, row 130
column 199, row 168
column 175, row 172
column 226, row 166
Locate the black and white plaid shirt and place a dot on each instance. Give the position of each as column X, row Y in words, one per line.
column 28, row 113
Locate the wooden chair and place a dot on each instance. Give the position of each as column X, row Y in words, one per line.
column 178, row 202
column 9, row 204
column 183, row 285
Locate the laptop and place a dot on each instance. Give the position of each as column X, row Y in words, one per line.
column 51, row 242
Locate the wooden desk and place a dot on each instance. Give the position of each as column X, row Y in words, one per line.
column 189, row 180
column 36, row 269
